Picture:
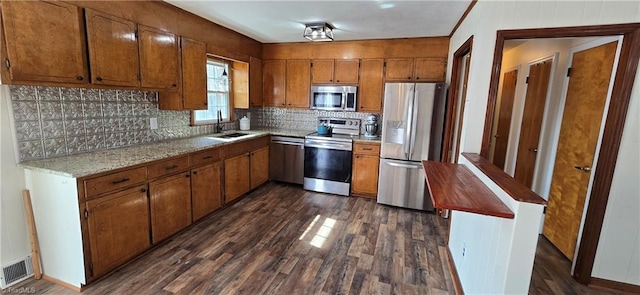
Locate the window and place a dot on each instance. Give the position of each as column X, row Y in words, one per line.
column 217, row 94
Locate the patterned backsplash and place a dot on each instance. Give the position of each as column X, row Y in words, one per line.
column 57, row 121
column 297, row 119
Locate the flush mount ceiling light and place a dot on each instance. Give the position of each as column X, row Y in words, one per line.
column 318, row 32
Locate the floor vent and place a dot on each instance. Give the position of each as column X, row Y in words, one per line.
column 16, row 272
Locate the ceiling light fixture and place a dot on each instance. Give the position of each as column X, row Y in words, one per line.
column 318, row 32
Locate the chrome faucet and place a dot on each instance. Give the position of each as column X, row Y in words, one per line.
column 218, row 127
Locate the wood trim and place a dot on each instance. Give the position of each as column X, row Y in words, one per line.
column 612, row 285
column 61, row 283
column 452, row 101
column 515, row 189
column 457, row 285
column 463, row 17
column 614, row 125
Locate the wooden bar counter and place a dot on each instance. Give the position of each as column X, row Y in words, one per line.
column 455, row 187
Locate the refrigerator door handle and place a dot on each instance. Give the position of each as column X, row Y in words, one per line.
column 403, row 165
column 406, row 145
column 414, row 119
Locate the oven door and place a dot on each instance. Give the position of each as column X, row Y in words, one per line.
column 327, row 169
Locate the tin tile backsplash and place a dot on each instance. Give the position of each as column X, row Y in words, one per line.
column 296, row 119
column 55, row 121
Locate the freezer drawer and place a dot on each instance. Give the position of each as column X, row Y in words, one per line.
column 402, row 184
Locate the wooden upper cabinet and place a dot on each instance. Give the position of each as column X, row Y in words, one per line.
column 118, row 228
column 113, row 50
column 346, row 71
column 371, row 85
column 339, row 71
column 430, row 69
column 45, row 41
column 158, row 58
column 194, row 74
column 399, row 69
column 322, row 71
column 298, row 83
column 255, row 82
column 274, row 82
column 240, row 84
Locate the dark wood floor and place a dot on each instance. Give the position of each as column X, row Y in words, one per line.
column 281, row 239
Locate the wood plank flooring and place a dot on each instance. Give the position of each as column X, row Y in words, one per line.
column 281, row 239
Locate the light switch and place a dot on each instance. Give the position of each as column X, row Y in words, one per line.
column 153, row 123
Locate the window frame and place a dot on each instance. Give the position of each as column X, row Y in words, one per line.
column 229, row 67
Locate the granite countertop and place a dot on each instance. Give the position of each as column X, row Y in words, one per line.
column 105, row 160
column 86, row 164
column 363, row 139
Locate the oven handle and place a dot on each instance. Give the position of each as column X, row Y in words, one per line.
column 327, row 145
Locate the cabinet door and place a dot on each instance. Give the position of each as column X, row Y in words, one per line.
column 206, row 195
column 371, row 85
column 399, row 69
column 113, row 50
column 274, row 82
column 365, row 175
column 158, row 58
column 170, row 205
column 255, row 82
column 45, row 41
column 430, row 69
column 322, row 71
column 347, row 71
column 240, row 84
column 298, row 83
column 259, row 167
column 118, row 228
column 236, row 177
column 194, row 74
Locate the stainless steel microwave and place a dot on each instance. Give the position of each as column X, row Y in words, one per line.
column 333, row 98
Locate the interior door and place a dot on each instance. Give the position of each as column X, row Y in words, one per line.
column 586, row 96
column 504, row 118
column 536, row 97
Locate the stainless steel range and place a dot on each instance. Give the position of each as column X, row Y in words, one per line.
column 327, row 158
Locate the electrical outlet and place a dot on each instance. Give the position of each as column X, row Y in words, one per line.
column 153, row 123
column 464, row 250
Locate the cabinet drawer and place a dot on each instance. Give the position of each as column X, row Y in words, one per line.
column 168, row 166
column 242, row 147
column 366, row 149
column 110, row 182
column 204, row 157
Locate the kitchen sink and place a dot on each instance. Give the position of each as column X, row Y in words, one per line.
column 233, row 135
column 228, row 137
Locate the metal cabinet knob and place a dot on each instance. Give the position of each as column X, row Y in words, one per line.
column 586, row 169
column 80, row 78
column 533, row 150
column 98, row 78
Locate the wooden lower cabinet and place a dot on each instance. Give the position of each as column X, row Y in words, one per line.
column 206, row 190
column 236, row 177
column 259, row 167
column 170, row 203
column 118, row 228
column 366, row 161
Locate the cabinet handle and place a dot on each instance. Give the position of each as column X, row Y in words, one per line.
column 171, row 167
column 408, row 78
column 337, row 81
column 366, row 149
column 174, row 85
column 98, row 78
column 195, row 172
column 187, row 175
column 207, row 157
column 120, row 181
column 357, row 157
column 80, row 78
column 143, row 190
column 417, row 78
column 330, row 80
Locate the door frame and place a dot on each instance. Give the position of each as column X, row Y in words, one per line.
column 613, row 128
column 452, row 102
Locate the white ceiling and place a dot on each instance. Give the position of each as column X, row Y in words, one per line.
column 283, row 21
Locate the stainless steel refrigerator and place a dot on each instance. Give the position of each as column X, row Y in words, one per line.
column 412, row 131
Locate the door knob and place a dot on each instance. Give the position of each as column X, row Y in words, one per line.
column 533, row 150
column 583, row 168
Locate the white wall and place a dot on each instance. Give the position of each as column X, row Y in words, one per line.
column 14, row 241
column 482, row 22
